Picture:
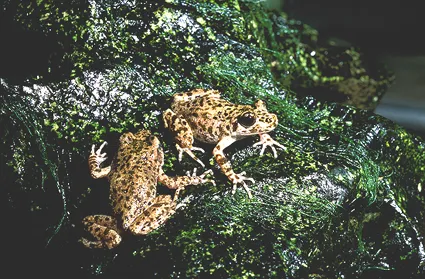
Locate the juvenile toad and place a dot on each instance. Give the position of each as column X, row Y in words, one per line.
column 203, row 115
column 133, row 176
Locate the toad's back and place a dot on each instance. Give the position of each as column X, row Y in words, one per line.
column 210, row 118
column 134, row 175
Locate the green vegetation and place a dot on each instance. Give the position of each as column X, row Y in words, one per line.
column 344, row 200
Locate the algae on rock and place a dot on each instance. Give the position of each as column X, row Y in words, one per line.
column 344, row 199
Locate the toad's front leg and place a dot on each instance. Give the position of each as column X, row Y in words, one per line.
column 183, row 135
column 179, row 182
column 226, row 167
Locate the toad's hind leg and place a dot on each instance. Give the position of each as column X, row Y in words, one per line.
column 162, row 208
column 183, row 135
column 104, row 229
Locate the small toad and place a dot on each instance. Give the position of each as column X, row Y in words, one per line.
column 205, row 116
column 133, row 176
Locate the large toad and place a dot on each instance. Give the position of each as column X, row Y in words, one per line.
column 133, row 175
column 205, row 116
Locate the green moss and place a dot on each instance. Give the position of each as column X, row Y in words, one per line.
column 344, row 170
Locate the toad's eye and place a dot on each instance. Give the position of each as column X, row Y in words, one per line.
column 247, row 119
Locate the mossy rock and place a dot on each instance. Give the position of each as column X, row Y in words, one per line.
column 344, row 200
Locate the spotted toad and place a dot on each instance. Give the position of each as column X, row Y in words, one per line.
column 133, row 177
column 203, row 115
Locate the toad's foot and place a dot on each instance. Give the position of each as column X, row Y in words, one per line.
column 202, row 177
column 194, row 179
column 95, row 159
column 266, row 140
column 240, row 179
column 190, row 153
column 98, row 155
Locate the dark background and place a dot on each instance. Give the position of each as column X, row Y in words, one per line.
column 391, row 31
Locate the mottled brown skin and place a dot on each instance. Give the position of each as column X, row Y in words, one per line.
column 133, row 175
column 203, row 115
